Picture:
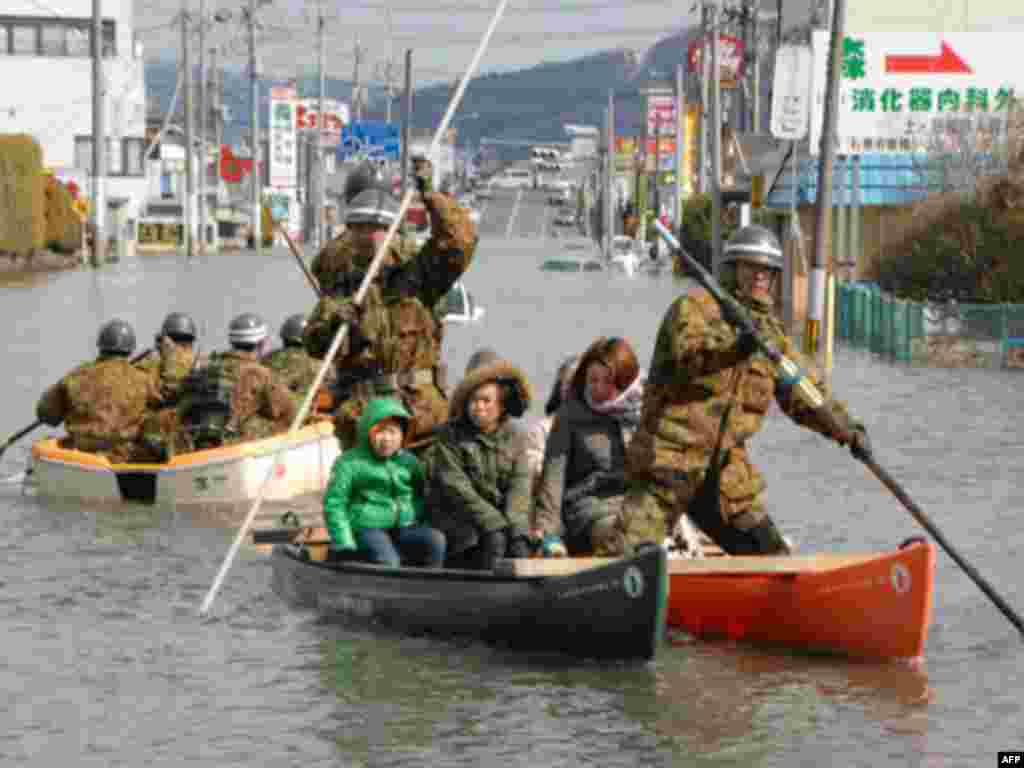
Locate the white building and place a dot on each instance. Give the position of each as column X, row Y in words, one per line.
column 46, row 71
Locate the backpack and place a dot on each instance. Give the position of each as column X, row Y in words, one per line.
column 206, row 406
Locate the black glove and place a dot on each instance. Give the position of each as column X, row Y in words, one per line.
column 746, row 345
column 518, row 542
column 860, row 444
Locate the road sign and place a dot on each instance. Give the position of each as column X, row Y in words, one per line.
column 730, row 58
column 370, row 138
column 898, row 90
column 791, row 92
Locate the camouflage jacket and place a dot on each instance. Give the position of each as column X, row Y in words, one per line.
column 338, row 260
column 295, row 368
column 696, row 372
column 397, row 329
column 101, row 400
column 478, row 482
column 170, row 364
column 256, row 393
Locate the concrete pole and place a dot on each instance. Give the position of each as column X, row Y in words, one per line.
column 823, row 205
column 203, row 118
column 254, row 117
column 680, row 118
column 216, row 99
column 318, row 177
column 756, row 75
column 609, row 155
column 656, row 197
column 716, row 145
column 406, row 120
column 188, row 203
column 357, row 95
column 705, row 97
column 99, row 138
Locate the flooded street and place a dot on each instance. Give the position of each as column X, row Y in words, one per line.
column 106, row 662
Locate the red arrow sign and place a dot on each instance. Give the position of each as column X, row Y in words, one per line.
column 947, row 62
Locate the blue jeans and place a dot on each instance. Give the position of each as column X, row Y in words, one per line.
column 417, row 544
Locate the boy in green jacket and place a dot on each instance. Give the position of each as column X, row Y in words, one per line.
column 374, row 501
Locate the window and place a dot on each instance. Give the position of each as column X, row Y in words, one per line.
column 79, row 39
column 83, row 153
column 133, row 150
column 109, row 40
column 48, row 36
column 53, row 40
column 24, row 39
column 115, row 160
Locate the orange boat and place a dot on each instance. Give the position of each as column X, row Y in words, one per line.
column 875, row 606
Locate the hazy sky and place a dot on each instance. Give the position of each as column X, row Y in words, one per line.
column 442, row 33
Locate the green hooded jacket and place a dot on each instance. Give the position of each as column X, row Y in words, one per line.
column 366, row 491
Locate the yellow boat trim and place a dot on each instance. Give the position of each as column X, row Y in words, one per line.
column 51, row 451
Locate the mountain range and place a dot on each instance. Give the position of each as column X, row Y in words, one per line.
column 526, row 105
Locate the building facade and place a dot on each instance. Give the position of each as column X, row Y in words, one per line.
column 46, row 69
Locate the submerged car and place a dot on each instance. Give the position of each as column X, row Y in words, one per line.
column 577, row 255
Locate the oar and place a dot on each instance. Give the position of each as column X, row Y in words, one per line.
column 339, row 337
column 298, row 257
column 18, row 435
column 736, row 314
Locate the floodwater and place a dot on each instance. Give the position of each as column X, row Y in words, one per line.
column 107, row 663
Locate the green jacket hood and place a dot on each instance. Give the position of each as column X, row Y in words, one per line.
column 377, row 410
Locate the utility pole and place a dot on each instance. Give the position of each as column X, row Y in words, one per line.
column 216, row 99
column 407, row 121
column 99, row 138
column 257, row 238
column 356, row 90
column 680, row 117
column 190, row 190
column 820, row 272
column 203, row 119
column 716, row 144
column 755, row 40
column 705, row 96
column 318, row 177
column 609, row 175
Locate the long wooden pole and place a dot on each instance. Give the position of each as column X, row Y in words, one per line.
column 339, row 338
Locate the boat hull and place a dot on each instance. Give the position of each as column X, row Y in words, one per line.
column 612, row 612
column 874, row 607
column 229, row 475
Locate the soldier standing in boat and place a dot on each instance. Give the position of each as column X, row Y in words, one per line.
column 342, row 256
column 392, row 347
column 102, row 403
column 707, row 394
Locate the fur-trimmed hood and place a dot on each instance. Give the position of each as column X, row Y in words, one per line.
column 498, row 370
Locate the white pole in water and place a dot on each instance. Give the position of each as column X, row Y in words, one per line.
column 360, row 294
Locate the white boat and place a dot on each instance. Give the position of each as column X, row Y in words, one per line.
column 230, row 475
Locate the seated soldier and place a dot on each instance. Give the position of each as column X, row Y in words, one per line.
column 102, row 403
column 173, row 355
column 234, row 398
column 294, row 366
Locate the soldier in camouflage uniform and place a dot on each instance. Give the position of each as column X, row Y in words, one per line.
column 392, row 347
column 294, row 366
column 102, row 403
column 174, row 354
column 339, row 259
column 259, row 404
column 707, row 394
